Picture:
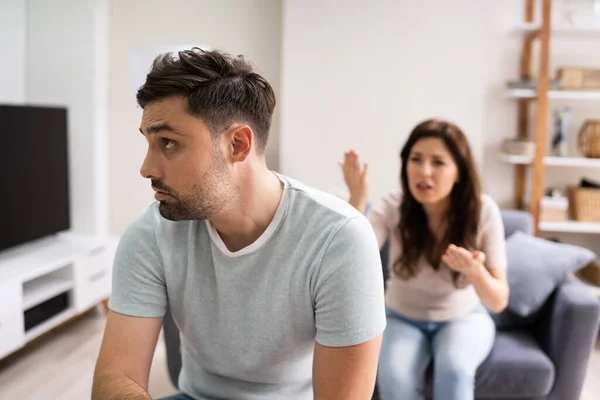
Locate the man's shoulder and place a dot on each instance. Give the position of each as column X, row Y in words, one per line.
column 150, row 226
column 307, row 200
column 145, row 223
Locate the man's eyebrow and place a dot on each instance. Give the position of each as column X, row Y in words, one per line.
column 160, row 127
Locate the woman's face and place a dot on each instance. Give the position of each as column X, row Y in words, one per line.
column 431, row 171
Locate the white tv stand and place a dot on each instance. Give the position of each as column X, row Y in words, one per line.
column 46, row 282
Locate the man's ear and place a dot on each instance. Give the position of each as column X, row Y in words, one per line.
column 240, row 138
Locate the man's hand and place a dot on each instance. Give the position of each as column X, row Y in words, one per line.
column 346, row 373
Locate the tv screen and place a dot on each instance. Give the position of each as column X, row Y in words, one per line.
column 34, row 200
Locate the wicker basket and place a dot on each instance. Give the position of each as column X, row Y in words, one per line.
column 579, row 78
column 589, row 138
column 521, row 147
column 585, row 204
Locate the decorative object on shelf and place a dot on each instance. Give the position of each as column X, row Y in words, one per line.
column 520, row 147
column 577, row 13
column 561, row 124
column 567, row 13
column 553, row 84
column 578, row 78
column 589, row 138
column 554, row 206
column 588, row 183
column 585, row 201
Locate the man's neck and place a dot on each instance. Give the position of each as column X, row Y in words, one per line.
column 250, row 213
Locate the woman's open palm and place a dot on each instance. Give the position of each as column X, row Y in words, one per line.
column 355, row 175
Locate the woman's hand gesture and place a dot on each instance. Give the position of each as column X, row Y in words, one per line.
column 462, row 260
column 355, row 176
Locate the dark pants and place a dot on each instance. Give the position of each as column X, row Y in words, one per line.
column 180, row 396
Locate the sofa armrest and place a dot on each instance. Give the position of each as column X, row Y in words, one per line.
column 567, row 333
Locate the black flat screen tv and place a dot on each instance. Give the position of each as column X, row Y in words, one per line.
column 34, row 173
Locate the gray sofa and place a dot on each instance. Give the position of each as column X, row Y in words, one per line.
column 543, row 359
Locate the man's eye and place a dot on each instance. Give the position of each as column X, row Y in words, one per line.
column 168, row 143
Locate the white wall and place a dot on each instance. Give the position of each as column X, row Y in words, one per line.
column 252, row 28
column 12, row 48
column 365, row 73
column 67, row 65
column 362, row 76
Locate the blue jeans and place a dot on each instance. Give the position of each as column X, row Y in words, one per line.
column 180, row 396
column 457, row 347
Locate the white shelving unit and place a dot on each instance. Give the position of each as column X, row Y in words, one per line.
column 579, row 31
column 49, row 324
column 554, row 161
column 584, row 95
column 42, row 289
column 537, row 32
column 575, row 162
column 46, row 282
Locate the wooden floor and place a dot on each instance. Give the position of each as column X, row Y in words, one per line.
column 59, row 366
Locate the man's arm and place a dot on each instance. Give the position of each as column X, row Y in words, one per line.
column 125, row 358
column 346, row 373
column 349, row 314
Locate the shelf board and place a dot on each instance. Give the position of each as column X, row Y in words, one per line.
column 41, row 289
column 554, row 161
column 570, row 226
column 555, row 94
column 516, row 159
column 34, row 259
column 49, row 324
column 564, row 30
column 572, row 161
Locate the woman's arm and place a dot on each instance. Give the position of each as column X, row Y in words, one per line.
column 490, row 284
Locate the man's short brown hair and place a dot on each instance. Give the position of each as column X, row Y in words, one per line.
column 221, row 89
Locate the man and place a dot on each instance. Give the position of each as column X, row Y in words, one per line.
column 276, row 287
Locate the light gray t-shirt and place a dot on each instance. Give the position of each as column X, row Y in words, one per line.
column 249, row 319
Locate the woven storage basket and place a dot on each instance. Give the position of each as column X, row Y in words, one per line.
column 589, row 138
column 579, row 78
column 585, row 204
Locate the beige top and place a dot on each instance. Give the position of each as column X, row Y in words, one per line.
column 431, row 295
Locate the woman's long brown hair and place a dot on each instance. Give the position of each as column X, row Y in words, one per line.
column 465, row 203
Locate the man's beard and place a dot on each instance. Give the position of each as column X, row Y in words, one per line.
column 205, row 200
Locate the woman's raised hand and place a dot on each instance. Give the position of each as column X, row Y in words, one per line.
column 355, row 176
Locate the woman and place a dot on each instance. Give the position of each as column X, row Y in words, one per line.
column 447, row 264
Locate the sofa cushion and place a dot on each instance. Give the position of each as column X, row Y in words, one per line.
column 535, row 267
column 508, row 320
column 516, row 367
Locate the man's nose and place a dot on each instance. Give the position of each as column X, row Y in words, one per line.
column 150, row 168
